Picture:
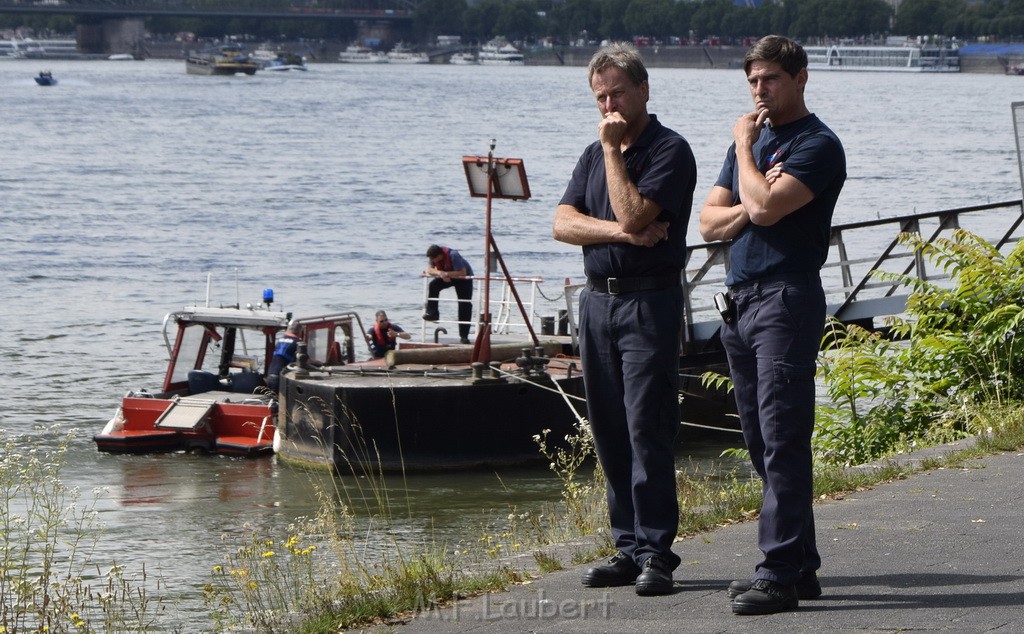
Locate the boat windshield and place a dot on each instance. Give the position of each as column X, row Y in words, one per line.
column 216, row 349
column 189, row 350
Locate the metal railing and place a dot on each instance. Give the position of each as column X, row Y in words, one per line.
column 857, row 249
column 506, row 318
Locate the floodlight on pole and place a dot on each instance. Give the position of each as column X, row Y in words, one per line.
column 489, row 177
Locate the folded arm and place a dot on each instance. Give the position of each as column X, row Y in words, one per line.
column 572, row 226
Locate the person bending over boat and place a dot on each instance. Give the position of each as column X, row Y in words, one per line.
column 384, row 335
column 448, row 269
column 628, row 204
column 284, row 353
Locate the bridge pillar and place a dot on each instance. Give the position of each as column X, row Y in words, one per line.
column 375, row 30
column 116, row 35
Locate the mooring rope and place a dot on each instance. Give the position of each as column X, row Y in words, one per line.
column 566, row 397
column 711, row 427
column 557, row 389
column 543, row 387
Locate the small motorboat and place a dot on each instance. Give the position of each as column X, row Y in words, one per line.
column 45, row 78
column 284, row 61
column 214, row 397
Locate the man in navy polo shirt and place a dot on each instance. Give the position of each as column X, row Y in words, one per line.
column 774, row 199
column 628, row 204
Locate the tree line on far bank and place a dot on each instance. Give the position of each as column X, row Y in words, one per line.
column 571, row 21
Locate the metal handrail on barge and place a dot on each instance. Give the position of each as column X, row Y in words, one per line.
column 853, row 293
column 505, row 319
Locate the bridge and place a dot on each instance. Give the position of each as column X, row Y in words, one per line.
column 396, row 11
column 117, row 25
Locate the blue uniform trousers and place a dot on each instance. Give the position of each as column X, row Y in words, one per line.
column 772, row 346
column 464, row 291
column 629, row 345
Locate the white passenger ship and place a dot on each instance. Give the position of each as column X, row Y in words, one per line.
column 942, row 59
column 500, row 52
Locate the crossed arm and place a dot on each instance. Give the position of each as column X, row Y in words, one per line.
column 764, row 198
column 634, row 215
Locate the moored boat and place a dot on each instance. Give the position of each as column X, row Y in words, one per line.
column 229, row 59
column 430, row 407
column 424, row 407
column 841, row 57
column 462, row 58
column 357, row 54
column 402, row 54
column 213, row 398
column 500, row 52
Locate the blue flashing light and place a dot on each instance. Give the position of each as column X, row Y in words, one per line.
column 268, row 296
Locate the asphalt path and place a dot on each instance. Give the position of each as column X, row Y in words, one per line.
column 939, row 551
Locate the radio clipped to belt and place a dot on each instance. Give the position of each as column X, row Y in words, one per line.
column 726, row 307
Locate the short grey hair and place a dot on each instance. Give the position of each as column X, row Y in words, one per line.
column 621, row 55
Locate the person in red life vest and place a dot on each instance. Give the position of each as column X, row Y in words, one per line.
column 450, row 269
column 384, row 335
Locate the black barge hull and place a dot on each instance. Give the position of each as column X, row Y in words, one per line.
column 393, row 421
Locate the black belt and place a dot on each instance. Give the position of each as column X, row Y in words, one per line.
column 619, row 285
column 799, row 277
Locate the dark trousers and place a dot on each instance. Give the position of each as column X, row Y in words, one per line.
column 464, row 291
column 629, row 346
column 772, row 347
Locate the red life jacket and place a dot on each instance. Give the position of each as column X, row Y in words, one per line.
column 381, row 337
column 446, row 264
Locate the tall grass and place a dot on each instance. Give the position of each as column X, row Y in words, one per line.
column 48, row 535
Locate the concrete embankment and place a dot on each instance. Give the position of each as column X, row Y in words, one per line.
column 655, row 57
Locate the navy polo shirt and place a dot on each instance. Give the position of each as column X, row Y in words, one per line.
column 797, row 243
column 661, row 165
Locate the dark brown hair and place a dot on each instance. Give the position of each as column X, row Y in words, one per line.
column 781, row 50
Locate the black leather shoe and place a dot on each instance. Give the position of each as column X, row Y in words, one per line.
column 430, row 316
column 619, row 571
column 807, row 587
column 766, row 597
column 655, row 578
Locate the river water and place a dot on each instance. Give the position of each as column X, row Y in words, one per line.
column 127, row 184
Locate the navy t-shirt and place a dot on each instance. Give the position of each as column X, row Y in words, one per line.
column 797, row 243
column 661, row 165
column 459, row 262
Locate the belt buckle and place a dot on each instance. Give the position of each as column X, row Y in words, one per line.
column 613, row 286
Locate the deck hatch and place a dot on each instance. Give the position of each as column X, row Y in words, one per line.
column 185, row 413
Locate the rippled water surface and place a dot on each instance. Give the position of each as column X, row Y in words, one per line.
column 127, row 184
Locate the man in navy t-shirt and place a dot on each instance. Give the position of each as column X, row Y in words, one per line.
column 774, row 199
column 628, row 205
